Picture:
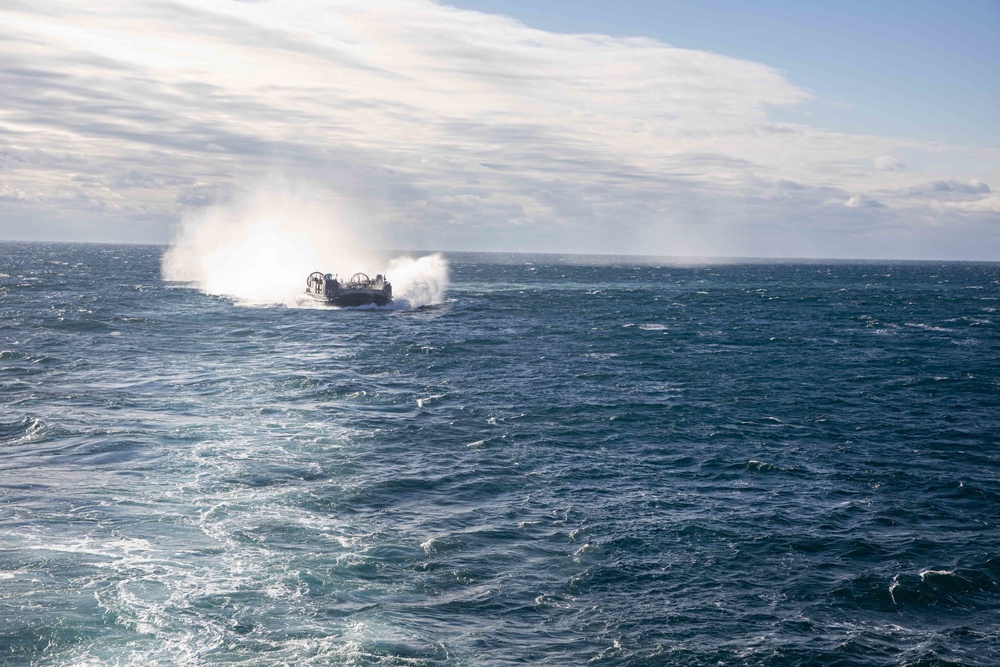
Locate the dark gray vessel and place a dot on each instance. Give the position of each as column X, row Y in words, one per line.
column 360, row 290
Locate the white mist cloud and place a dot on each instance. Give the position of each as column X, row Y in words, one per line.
column 418, row 282
column 458, row 129
column 260, row 245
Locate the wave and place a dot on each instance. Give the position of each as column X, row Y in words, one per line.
column 23, row 430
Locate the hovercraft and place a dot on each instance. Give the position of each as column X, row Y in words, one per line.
column 360, row 290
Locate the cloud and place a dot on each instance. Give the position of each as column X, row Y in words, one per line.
column 863, row 201
column 985, row 205
column 950, row 186
column 197, row 197
column 464, row 129
column 8, row 193
column 888, row 163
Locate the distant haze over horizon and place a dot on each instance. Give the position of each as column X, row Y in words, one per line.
column 586, row 258
column 669, row 130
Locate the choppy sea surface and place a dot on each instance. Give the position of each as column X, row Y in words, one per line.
column 570, row 461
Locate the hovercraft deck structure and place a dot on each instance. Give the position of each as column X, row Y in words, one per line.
column 360, row 290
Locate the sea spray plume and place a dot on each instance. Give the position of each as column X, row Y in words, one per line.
column 418, row 282
column 260, row 246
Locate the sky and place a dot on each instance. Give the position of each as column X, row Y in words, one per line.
column 715, row 128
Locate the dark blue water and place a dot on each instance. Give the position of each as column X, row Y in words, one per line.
column 565, row 463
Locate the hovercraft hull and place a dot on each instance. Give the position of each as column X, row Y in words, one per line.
column 360, row 290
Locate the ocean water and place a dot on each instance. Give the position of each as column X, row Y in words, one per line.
column 570, row 461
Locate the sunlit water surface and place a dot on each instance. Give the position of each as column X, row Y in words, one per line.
column 567, row 462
